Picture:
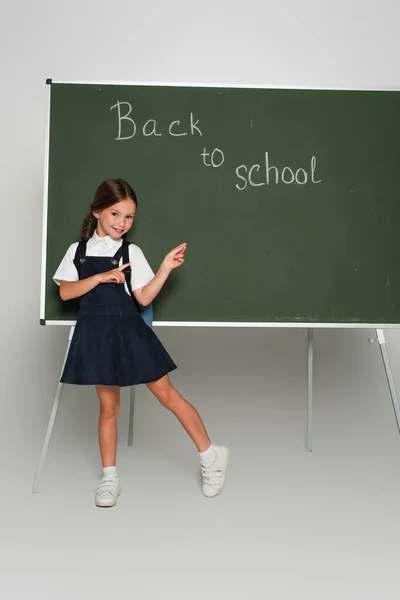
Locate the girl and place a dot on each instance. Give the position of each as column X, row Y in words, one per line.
column 112, row 346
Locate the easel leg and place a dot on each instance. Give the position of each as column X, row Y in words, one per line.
column 131, row 415
column 310, row 363
column 392, row 389
column 51, row 421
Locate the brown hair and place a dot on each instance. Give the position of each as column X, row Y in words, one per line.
column 108, row 193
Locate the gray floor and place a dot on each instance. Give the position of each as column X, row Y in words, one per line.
column 287, row 523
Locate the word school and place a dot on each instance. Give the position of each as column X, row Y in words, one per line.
column 271, row 173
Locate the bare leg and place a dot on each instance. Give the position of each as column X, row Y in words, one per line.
column 186, row 413
column 109, row 397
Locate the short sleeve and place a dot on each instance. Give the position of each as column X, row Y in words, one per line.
column 141, row 270
column 66, row 270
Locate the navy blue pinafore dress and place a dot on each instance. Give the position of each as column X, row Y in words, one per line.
column 111, row 344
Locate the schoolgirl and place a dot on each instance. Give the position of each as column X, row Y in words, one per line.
column 112, row 346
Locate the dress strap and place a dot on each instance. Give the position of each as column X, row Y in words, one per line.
column 128, row 270
column 118, row 255
column 123, row 252
column 80, row 256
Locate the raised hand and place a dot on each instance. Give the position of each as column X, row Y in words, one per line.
column 175, row 257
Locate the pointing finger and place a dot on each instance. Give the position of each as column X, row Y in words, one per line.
column 122, row 267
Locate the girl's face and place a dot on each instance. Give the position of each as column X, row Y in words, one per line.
column 116, row 219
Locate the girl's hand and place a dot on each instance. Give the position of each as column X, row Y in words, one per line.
column 113, row 276
column 175, row 257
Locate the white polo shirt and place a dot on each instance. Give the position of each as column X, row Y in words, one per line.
column 106, row 246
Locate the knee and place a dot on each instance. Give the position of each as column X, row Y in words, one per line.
column 170, row 398
column 109, row 401
column 109, row 411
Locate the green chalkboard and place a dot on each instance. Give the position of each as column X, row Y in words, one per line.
column 289, row 199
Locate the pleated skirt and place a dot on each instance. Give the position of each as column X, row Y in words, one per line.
column 115, row 349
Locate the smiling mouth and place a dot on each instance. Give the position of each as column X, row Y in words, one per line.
column 119, row 231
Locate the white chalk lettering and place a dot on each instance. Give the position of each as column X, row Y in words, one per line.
column 286, row 175
column 222, row 157
column 124, row 118
column 313, row 166
column 283, row 175
column 268, row 169
column 152, row 127
column 213, row 162
column 153, row 130
column 193, row 126
column 257, row 167
column 171, row 126
column 241, row 177
column 204, row 154
column 305, row 177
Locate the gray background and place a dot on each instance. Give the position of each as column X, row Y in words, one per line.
column 288, row 523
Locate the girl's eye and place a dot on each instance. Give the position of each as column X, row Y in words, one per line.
column 114, row 214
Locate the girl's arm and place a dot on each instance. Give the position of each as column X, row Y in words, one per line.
column 74, row 289
column 146, row 294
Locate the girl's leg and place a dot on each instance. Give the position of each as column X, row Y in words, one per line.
column 186, row 413
column 109, row 397
column 213, row 458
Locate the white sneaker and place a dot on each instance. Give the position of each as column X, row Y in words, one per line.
column 214, row 474
column 107, row 491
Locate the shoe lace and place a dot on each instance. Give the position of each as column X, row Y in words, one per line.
column 211, row 474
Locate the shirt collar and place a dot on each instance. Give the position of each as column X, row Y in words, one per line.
column 107, row 240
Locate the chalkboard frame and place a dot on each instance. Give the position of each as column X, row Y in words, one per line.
column 304, row 325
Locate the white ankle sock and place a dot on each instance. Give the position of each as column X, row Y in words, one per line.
column 208, row 456
column 110, row 470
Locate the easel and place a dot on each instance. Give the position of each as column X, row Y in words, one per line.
column 310, row 370
column 54, row 414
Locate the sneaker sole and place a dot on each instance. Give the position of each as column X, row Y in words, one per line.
column 107, row 505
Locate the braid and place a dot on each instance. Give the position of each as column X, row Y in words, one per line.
column 85, row 231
